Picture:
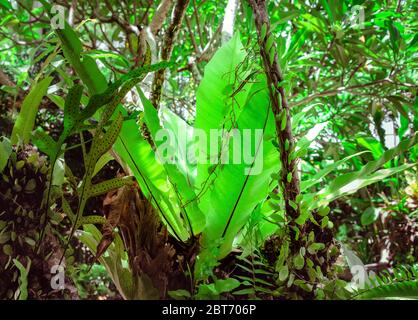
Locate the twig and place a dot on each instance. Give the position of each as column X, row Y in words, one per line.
column 196, row 14
column 192, row 38
column 170, row 36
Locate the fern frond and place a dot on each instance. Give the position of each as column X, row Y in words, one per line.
column 255, row 275
column 402, row 282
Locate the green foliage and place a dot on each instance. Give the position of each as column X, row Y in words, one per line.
column 185, row 194
column 151, row 176
column 74, row 118
column 216, row 289
column 5, row 151
column 26, row 120
column 353, row 181
column 229, row 200
column 101, row 143
column 22, row 293
column 344, row 83
column 218, row 84
column 129, row 286
column 92, row 281
column 258, row 278
column 402, row 282
column 129, row 146
column 369, row 216
column 85, row 68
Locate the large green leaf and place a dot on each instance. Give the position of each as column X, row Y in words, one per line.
column 234, row 194
column 351, row 182
column 213, row 102
column 305, row 141
column 325, row 171
column 369, row 216
column 370, row 167
column 86, row 67
column 184, row 140
column 26, row 119
column 5, row 151
column 184, row 193
column 150, row 174
column 373, row 145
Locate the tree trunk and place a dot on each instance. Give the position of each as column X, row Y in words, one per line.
column 5, row 80
column 289, row 187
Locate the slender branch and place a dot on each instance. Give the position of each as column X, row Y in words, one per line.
column 192, row 38
column 20, row 42
column 209, row 50
column 36, row 19
column 196, row 14
column 170, row 36
column 124, row 12
column 160, row 16
column 352, row 73
column 110, row 43
column 144, row 16
column 125, row 25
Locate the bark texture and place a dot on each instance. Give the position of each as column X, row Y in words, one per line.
column 5, row 80
column 169, row 38
column 290, row 187
column 160, row 16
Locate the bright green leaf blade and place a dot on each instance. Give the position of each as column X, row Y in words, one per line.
column 5, row 151
column 369, row 216
column 212, row 98
column 26, row 119
column 234, row 194
column 325, row 171
column 185, row 195
column 150, row 174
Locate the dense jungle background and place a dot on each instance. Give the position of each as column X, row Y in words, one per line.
column 89, row 210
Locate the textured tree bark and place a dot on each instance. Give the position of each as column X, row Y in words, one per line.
column 148, row 34
column 290, row 187
column 169, row 38
column 5, row 80
column 160, row 16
